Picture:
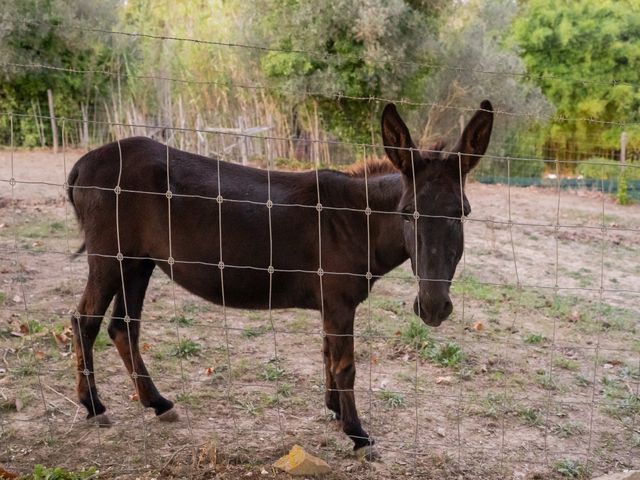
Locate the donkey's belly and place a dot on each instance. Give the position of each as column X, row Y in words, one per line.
column 244, row 287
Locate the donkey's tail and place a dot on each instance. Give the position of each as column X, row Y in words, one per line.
column 71, row 181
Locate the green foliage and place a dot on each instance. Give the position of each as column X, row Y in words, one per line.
column 357, row 49
column 416, row 334
column 449, row 354
column 571, row 468
column 40, row 39
column 41, row 472
column 596, row 40
column 271, row 371
column 392, row 399
column 186, row 348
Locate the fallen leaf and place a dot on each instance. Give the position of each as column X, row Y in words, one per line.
column 19, row 405
column 478, row 326
column 134, row 397
column 17, row 299
column 5, row 474
column 61, row 339
column 374, row 359
column 40, row 355
column 146, row 347
column 209, row 371
column 24, row 329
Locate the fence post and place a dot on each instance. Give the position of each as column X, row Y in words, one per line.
column 623, row 150
column 54, row 126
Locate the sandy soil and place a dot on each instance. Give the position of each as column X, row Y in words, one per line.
column 546, row 319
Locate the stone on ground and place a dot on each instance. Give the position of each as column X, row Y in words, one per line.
column 299, row 462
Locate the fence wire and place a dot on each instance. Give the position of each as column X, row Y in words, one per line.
column 518, row 414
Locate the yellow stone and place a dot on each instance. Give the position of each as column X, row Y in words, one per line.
column 299, row 462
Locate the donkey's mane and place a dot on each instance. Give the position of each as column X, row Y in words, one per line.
column 377, row 167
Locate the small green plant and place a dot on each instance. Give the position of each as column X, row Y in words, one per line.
column 530, row 416
column 566, row 363
column 34, row 326
column 568, row 429
column 448, row 355
column 272, row 371
column 252, row 332
column 392, row 399
column 186, row 348
column 285, row 390
column 545, row 380
column 182, row 320
column 41, row 472
column 571, row 468
column 534, row 339
column 416, row 334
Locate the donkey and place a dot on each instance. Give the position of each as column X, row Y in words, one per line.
column 258, row 239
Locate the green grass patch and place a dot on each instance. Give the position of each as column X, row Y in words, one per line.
column 571, row 468
column 252, row 332
column 568, row 429
column 416, row 334
column 534, row 339
column 530, row 416
column 41, row 472
column 182, row 320
column 392, row 399
column 449, row 354
column 271, row 371
column 186, row 348
column 566, row 363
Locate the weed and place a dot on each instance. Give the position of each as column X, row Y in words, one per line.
column 448, row 355
column 571, row 468
column 285, row 390
column 272, row 371
column 530, row 416
column 493, row 405
column 3, row 297
column 41, row 472
column 566, row 363
column 34, row 326
column 252, row 332
column 568, row 429
column 534, row 339
column 392, row 399
column 182, row 320
column 388, row 304
column 545, row 380
column 416, row 335
column 186, row 348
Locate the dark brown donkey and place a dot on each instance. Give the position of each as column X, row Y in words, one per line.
column 255, row 239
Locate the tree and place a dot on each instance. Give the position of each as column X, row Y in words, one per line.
column 583, row 55
column 46, row 32
column 350, row 47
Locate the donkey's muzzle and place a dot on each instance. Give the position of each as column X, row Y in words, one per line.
column 434, row 311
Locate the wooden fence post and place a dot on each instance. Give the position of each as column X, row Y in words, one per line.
column 54, row 126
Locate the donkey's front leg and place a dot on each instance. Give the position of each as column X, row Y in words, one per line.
column 339, row 336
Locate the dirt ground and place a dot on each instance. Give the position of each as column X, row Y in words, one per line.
column 536, row 375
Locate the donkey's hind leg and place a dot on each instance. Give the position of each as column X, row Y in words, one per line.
column 100, row 288
column 124, row 330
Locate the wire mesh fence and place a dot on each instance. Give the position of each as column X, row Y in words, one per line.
column 537, row 372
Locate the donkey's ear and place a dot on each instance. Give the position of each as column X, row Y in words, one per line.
column 475, row 137
column 397, row 140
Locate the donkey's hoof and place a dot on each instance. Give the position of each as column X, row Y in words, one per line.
column 101, row 420
column 367, row 453
column 169, row 416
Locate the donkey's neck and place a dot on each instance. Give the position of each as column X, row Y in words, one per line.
column 387, row 238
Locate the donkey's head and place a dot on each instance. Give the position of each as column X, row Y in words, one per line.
column 433, row 203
